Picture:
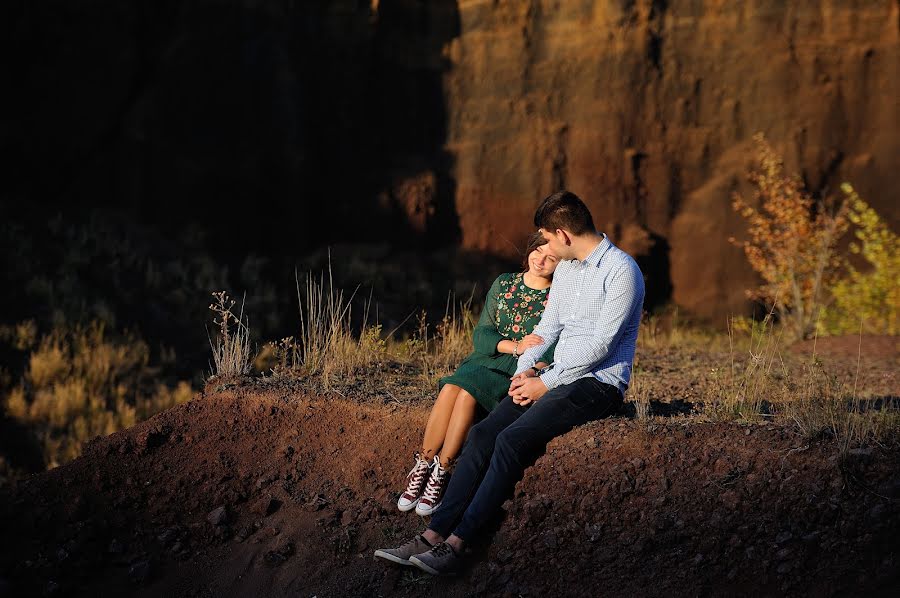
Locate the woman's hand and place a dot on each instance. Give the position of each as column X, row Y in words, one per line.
column 532, row 340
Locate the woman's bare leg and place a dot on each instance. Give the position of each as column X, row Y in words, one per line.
column 460, row 421
column 436, row 428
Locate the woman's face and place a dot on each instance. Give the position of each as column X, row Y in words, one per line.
column 542, row 262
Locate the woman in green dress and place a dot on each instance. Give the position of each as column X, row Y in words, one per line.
column 512, row 309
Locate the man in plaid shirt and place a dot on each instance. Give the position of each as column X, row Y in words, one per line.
column 594, row 311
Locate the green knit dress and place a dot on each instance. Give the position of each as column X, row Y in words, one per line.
column 511, row 310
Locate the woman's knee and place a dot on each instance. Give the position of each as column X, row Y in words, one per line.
column 465, row 400
column 449, row 390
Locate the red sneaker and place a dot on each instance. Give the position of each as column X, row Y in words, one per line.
column 434, row 490
column 415, row 481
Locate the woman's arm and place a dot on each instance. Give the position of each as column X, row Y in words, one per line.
column 506, row 347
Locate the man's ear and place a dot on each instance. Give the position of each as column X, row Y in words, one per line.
column 563, row 237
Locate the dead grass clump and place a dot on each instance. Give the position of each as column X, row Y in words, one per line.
column 744, row 386
column 336, row 350
column 639, row 395
column 327, row 347
column 330, row 353
column 820, row 404
column 666, row 329
column 79, row 384
column 231, row 347
column 768, row 384
column 442, row 352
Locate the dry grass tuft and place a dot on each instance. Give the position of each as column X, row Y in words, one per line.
column 79, row 383
column 231, row 348
column 767, row 384
column 451, row 342
column 336, row 351
column 667, row 330
column 326, row 348
column 744, row 387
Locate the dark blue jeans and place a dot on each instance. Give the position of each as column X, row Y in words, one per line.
column 502, row 446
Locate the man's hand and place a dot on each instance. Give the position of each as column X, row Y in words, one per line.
column 527, row 390
column 517, row 380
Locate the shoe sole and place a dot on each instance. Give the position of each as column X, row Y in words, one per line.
column 408, row 507
column 430, row 512
column 381, row 554
column 428, row 569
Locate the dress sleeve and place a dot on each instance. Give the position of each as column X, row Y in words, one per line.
column 485, row 337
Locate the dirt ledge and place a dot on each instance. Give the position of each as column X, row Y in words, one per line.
column 249, row 492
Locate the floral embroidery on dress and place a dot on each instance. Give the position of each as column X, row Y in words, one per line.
column 519, row 307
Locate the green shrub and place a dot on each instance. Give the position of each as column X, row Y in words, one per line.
column 867, row 301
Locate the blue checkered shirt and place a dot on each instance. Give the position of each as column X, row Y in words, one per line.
column 594, row 310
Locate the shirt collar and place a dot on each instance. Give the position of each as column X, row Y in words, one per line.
column 593, row 259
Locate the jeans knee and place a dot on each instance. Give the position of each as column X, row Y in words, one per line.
column 479, row 438
column 505, row 444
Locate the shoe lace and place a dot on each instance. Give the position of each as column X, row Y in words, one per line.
column 435, row 482
column 416, row 475
column 442, row 549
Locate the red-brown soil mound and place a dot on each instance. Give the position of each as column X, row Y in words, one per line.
column 254, row 492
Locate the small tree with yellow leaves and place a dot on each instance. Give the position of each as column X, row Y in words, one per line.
column 867, row 301
column 791, row 245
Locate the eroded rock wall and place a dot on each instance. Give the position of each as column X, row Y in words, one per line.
column 277, row 127
column 645, row 108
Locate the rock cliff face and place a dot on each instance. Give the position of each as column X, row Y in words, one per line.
column 445, row 121
column 645, row 108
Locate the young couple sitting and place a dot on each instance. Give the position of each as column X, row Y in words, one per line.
column 546, row 360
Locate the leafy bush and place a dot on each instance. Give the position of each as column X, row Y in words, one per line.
column 867, row 301
column 792, row 243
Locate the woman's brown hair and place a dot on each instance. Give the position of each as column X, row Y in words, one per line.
column 535, row 240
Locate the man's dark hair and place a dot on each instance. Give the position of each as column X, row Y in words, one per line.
column 564, row 210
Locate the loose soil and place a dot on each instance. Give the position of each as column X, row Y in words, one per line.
column 264, row 490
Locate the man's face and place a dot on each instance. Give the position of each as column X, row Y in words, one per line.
column 557, row 243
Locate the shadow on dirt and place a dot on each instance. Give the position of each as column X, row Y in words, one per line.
column 674, row 408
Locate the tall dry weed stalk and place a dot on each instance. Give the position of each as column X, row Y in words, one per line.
column 638, row 393
column 231, row 347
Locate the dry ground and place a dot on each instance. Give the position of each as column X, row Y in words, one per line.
column 266, row 488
